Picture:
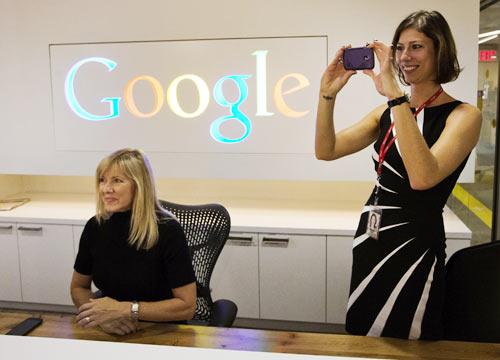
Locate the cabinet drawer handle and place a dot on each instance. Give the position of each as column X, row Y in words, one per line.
column 275, row 241
column 240, row 240
column 6, row 227
column 29, row 228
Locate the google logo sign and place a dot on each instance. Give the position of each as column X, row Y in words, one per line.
column 170, row 96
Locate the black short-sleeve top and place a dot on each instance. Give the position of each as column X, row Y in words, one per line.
column 124, row 273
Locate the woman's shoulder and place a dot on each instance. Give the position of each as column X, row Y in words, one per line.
column 171, row 234
column 90, row 229
column 463, row 110
column 167, row 221
column 92, row 222
column 467, row 108
column 465, row 119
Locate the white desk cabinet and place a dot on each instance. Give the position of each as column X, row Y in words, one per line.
column 302, row 274
column 292, row 277
column 236, row 274
column 338, row 277
column 10, row 280
column 46, row 253
column 453, row 245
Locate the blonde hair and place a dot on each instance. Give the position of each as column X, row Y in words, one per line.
column 136, row 167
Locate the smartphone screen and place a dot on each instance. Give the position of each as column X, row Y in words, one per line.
column 359, row 58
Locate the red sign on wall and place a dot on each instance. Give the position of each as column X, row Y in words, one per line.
column 487, row 55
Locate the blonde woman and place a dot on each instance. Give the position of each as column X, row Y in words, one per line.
column 133, row 251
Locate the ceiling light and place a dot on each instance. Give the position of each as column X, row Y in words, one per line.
column 487, row 39
column 496, row 32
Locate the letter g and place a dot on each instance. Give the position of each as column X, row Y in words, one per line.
column 235, row 112
column 69, row 90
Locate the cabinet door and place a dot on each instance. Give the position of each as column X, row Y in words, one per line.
column 453, row 245
column 292, row 277
column 338, row 277
column 236, row 274
column 10, row 279
column 46, row 254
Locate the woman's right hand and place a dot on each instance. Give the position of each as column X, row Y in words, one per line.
column 335, row 76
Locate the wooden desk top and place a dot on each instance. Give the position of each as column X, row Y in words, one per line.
column 62, row 326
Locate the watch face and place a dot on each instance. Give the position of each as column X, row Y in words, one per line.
column 134, row 311
column 135, row 307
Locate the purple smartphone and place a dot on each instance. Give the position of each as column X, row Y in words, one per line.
column 359, row 58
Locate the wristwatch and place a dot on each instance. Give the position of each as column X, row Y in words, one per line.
column 134, row 311
column 398, row 101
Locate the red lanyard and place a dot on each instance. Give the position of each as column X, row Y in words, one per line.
column 385, row 148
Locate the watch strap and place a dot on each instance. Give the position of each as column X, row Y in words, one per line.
column 398, row 101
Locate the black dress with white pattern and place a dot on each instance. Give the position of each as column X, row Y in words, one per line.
column 397, row 282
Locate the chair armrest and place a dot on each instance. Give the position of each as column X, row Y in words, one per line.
column 223, row 313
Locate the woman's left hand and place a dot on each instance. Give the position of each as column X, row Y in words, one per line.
column 119, row 327
column 385, row 81
column 100, row 311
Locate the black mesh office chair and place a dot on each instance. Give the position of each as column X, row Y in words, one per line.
column 472, row 306
column 207, row 229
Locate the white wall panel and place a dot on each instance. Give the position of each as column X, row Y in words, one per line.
column 28, row 141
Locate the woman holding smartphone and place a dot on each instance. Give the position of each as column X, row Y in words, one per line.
column 421, row 144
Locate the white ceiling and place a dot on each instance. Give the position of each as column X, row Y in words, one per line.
column 489, row 20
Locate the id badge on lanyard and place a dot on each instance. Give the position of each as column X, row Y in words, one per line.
column 375, row 214
column 374, row 220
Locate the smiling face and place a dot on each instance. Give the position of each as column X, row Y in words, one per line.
column 116, row 191
column 415, row 57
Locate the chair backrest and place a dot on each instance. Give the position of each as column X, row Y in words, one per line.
column 472, row 306
column 207, row 229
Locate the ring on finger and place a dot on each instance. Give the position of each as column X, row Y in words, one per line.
column 87, row 319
